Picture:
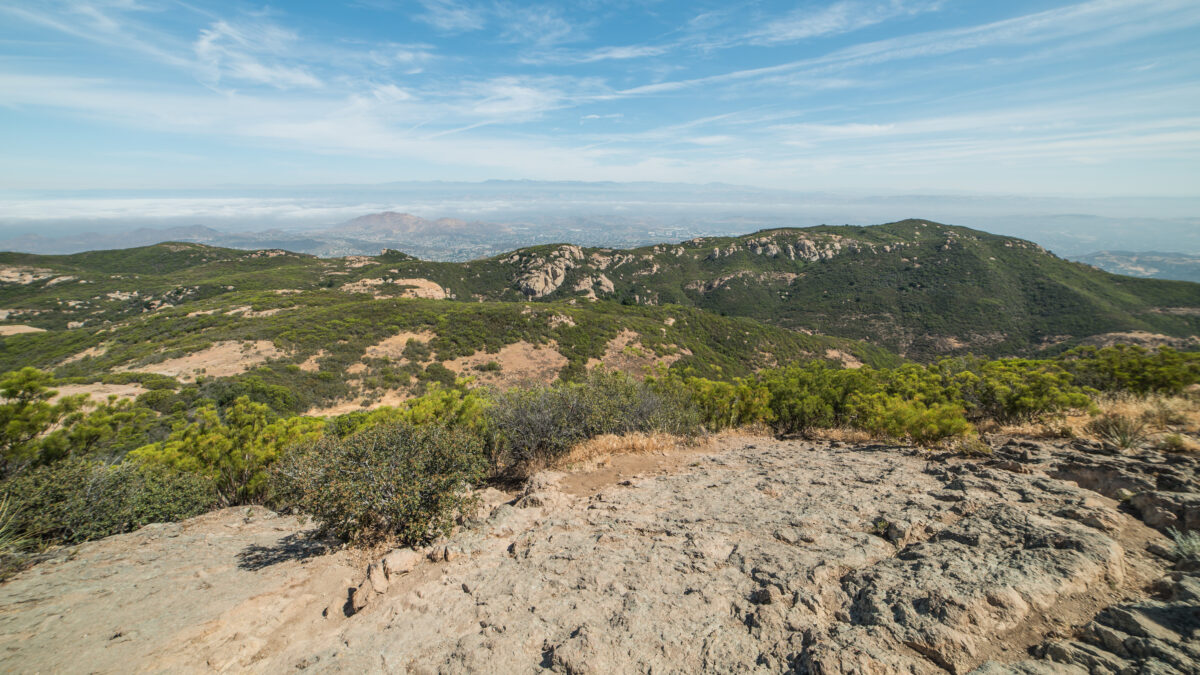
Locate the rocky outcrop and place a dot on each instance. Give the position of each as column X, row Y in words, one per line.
column 541, row 276
column 595, row 285
column 1160, row 488
column 768, row 555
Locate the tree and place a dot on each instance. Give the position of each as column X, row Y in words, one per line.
column 235, row 451
column 31, row 423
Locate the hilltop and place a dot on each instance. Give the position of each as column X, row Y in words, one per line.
column 916, row 288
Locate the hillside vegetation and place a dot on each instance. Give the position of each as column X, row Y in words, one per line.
column 917, row 288
column 221, row 377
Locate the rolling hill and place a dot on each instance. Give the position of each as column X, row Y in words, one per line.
column 715, row 306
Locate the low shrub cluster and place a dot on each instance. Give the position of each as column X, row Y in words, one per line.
column 535, row 426
column 70, row 471
column 1123, row 432
column 922, row 404
column 77, row 499
column 397, row 480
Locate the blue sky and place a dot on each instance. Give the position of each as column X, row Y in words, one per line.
column 1099, row 97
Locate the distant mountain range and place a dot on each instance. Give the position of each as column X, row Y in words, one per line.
column 1147, row 264
column 444, row 239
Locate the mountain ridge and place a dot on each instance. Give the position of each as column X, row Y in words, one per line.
column 916, row 287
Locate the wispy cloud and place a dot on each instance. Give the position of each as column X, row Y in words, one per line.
column 536, row 25
column 226, row 51
column 540, row 92
column 452, row 15
column 1115, row 20
column 844, row 16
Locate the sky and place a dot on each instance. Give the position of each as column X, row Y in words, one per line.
column 1092, row 98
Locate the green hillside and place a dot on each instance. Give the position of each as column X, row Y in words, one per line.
column 919, row 288
column 326, row 343
column 916, row 288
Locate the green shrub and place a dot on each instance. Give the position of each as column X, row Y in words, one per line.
column 1120, row 430
column 31, row 427
column 806, row 397
column 457, row 408
column 234, row 450
column 720, row 405
column 1017, row 390
column 1133, row 369
column 77, row 500
column 402, row 481
column 893, row 417
column 536, row 425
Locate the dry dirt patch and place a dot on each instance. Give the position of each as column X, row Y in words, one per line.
column 310, row 364
column 222, row 359
column 99, row 391
column 848, row 360
column 19, row 329
column 519, row 362
column 22, row 275
column 248, row 311
column 391, row 397
column 89, row 353
column 626, row 354
column 393, row 347
column 415, row 288
column 1142, row 338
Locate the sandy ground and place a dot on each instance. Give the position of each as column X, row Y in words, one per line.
column 520, row 362
column 18, row 329
column 222, row 359
column 416, row 288
column 393, row 347
column 626, row 354
column 100, row 391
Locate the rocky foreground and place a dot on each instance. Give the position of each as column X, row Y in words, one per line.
column 765, row 555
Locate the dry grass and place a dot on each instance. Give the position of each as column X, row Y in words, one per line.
column 843, row 434
column 597, row 452
column 1065, row 427
column 593, row 452
column 1161, row 412
column 1178, row 443
column 1162, row 416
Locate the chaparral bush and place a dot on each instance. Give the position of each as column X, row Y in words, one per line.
column 536, row 425
column 397, row 481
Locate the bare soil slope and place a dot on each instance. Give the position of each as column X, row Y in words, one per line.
column 763, row 556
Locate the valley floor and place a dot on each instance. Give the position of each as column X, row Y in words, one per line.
column 760, row 554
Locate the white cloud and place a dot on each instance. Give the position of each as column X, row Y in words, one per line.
column 622, row 53
column 452, row 16
column 844, row 16
column 536, row 25
column 225, row 51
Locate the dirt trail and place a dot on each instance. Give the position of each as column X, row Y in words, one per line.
column 764, row 555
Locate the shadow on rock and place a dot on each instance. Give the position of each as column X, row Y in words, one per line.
column 299, row 546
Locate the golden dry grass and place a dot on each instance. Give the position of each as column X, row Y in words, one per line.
column 1161, row 414
column 594, row 451
column 843, row 434
column 597, row 452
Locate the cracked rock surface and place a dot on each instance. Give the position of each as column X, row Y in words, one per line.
column 766, row 556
